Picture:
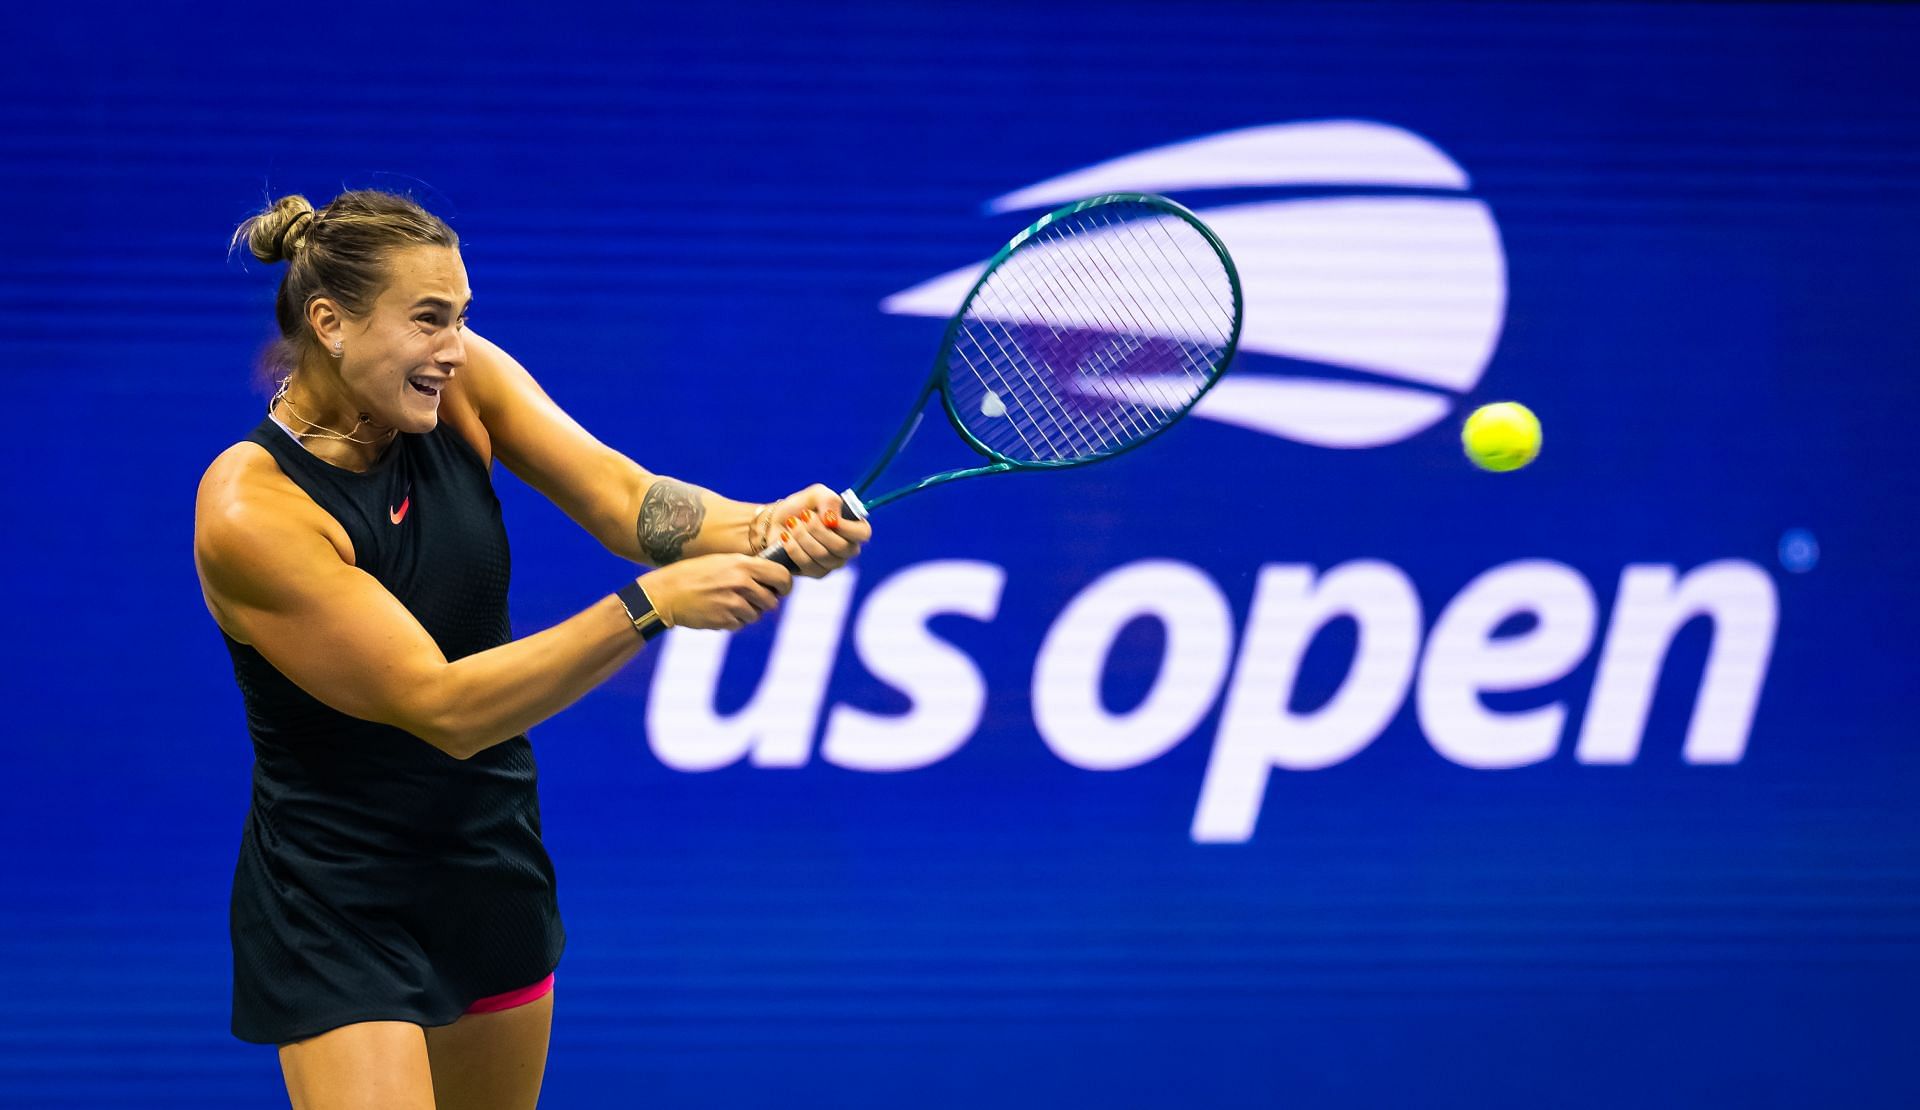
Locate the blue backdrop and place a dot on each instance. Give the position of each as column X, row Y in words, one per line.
column 1290, row 761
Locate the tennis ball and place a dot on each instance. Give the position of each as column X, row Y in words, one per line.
column 1503, row 436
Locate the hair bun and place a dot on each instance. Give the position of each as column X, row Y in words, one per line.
column 281, row 231
column 294, row 236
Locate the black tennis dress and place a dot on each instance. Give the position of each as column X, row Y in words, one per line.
column 381, row 879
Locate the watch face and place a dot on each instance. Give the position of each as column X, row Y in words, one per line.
column 646, row 619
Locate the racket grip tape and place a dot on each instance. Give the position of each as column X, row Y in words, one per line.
column 850, row 506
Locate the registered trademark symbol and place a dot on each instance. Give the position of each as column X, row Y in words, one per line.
column 1799, row 551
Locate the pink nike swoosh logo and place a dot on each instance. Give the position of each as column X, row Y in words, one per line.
column 400, row 514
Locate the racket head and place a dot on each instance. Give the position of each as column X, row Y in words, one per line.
column 1090, row 333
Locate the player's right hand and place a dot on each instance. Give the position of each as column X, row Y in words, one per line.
column 716, row 591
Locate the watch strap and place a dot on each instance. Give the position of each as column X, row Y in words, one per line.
column 647, row 620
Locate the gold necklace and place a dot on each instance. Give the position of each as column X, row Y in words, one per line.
column 321, row 431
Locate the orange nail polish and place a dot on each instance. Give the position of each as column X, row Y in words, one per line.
column 791, row 522
column 783, row 537
column 806, row 514
column 832, row 520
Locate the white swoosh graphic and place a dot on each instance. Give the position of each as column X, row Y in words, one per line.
column 1407, row 288
column 1321, row 152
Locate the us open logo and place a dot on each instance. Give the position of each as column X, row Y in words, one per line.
column 1375, row 288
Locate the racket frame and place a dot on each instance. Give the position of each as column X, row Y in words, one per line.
column 937, row 380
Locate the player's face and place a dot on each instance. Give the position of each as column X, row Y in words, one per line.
column 401, row 355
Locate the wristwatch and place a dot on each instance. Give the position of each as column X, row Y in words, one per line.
column 647, row 620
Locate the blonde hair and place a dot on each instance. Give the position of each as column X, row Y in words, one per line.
column 339, row 251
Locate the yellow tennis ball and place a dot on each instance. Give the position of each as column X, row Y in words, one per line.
column 1503, row 436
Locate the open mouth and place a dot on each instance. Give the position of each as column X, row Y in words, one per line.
column 428, row 386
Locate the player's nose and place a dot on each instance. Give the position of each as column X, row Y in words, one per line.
column 452, row 351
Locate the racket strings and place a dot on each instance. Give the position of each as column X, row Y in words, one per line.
column 1158, row 267
column 1020, row 300
column 1141, row 267
column 1041, row 395
column 1096, row 332
column 1108, row 269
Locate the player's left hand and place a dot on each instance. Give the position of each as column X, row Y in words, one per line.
column 817, row 533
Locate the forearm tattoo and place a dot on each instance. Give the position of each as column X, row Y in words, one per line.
column 670, row 515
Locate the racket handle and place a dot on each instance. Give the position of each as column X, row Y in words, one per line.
column 850, row 506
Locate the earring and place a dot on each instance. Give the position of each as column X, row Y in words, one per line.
column 337, row 352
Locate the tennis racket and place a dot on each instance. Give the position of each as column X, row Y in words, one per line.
column 1090, row 333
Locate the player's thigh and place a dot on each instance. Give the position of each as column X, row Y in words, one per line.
column 370, row 1065
column 492, row 1061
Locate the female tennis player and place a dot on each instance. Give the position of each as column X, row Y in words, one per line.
column 394, row 924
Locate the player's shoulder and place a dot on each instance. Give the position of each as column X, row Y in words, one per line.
column 248, row 511
column 482, row 377
column 476, row 392
column 241, row 482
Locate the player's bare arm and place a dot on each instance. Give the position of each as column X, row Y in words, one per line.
column 277, row 574
column 636, row 514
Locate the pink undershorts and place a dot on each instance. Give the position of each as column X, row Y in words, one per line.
column 494, row 1003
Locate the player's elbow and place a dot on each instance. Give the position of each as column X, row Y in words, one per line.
column 460, row 735
column 443, row 718
column 454, row 741
column 616, row 516
column 617, row 537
